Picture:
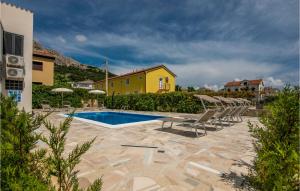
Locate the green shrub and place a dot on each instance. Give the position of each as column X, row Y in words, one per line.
column 63, row 166
column 277, row 145
column 188, row 106
column 42, row 93
column 20, row 169
column 24, row 167
column 145, row 103
column 168, row 102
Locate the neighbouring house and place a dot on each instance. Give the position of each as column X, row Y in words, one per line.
column 43, row 67
column 87, row 84
column 256, row 86
column 16, row 54
column 158, row 79
column 270, row 91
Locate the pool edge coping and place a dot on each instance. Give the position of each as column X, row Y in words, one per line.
column 106, row 125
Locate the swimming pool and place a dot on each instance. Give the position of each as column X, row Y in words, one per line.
column 115, row 119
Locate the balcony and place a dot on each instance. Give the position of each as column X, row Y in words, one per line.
column 164, row 87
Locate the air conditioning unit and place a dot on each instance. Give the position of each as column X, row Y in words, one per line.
column 14, row 73
column 13, row 60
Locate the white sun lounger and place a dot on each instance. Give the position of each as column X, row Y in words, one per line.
column 193, row 123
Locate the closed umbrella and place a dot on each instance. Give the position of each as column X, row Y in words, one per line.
column 62, row 91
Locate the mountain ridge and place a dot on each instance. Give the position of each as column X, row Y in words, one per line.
column 72, row 69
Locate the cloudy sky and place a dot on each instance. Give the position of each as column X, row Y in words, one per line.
column 205, row 42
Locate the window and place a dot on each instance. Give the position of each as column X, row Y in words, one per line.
column 13, row 44
column 236, row 89
column 253, row 89
column 167, row 80
column 112, row 84
column 127, row 81
column 37, row 65
column 13, row 85
column 160, row 83
column 37, row 83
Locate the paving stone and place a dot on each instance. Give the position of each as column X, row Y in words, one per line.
column 187, row 163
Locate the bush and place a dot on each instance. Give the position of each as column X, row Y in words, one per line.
column 19, row 167
column 277, row 145
column 42, row 93
column 168, row 102
column 24, row 166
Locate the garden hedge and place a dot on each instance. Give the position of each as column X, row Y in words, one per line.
column 42, row 94
column 183, row 102
column 168, row 102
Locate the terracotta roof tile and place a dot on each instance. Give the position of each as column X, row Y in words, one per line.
column 233, row 83
column 238, row 83
column 44, row 53
column 255, row 82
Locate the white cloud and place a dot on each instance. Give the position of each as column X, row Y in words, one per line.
column 213, row 87
column 197, row 62
column 270, row 81
column 221, row 71
column 61, row 39
column 80, row 38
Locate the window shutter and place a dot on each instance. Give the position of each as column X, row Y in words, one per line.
column 18, row 45
column 8, row 43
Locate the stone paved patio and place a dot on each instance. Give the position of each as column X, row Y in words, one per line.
column 181, row 162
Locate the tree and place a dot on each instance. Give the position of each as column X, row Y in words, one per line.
column 190, row 89
column 276, row 166
column 61, row 80
column 22, row 166
column 178, row 88
column 64, row 167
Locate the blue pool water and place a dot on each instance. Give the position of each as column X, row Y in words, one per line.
column 115, row 118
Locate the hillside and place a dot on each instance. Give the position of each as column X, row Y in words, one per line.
column 75, row 74
column 69, row 70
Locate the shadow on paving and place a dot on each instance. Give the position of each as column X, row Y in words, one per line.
column 238, row 180
column 208, row 128
column 190, row 133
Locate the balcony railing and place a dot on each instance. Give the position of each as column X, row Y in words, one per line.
column 164, row 87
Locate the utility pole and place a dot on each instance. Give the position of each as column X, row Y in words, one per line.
column 106, row 77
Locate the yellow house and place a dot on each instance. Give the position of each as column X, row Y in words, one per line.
column 158, row 79
column 42, row 67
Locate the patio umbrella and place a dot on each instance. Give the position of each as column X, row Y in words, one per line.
column 208, row 99
column 97, row 92
column 62, row 91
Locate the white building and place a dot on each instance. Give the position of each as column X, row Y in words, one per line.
column 87, row 84
column 16, row 54
column 256, row 86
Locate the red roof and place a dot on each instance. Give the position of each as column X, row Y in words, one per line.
column 143, row 70
column 239, row 83
column 43, row 53
column 255, row 82
column 233, row 83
